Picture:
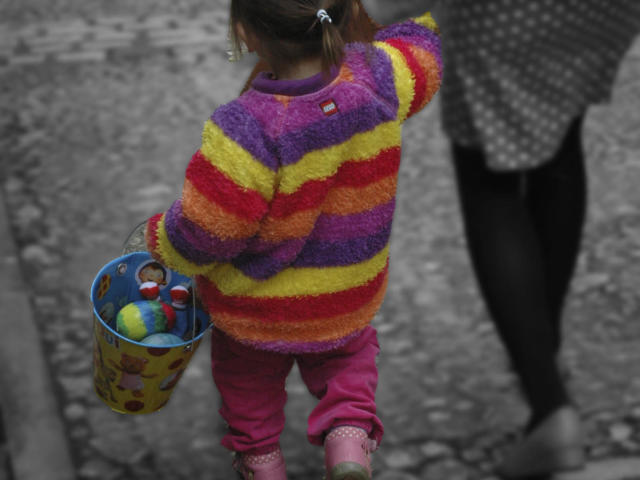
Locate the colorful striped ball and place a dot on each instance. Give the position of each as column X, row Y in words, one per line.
column 140, row 319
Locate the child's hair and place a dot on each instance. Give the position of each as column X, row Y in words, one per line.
column 290, row 30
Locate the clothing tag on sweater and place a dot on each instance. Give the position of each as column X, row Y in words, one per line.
column 329, row 107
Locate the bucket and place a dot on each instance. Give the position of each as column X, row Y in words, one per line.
column 131, row 376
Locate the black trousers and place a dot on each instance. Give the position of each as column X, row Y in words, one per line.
column 523, row 231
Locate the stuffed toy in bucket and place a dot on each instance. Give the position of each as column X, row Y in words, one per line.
column 142, row 346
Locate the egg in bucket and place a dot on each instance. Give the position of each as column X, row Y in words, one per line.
column 137, row 375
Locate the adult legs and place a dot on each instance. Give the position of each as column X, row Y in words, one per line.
column 557, row 196
column 509, row 262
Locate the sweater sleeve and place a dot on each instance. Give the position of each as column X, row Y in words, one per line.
column 414, row 50
column 228, row 186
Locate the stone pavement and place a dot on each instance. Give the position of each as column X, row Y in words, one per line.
column 78, row 40
column 38, row 447
column 104, row 112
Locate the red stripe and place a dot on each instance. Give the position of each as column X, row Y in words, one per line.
column 420, row 89
column 152, row 232
column 351, row 174
column 292, row 309
column 219, row 189
column 309, row 195
column 361, row 174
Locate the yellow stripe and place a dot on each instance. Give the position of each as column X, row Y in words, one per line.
column 298, row 281
column 323, row 163
column 427, row 20
column 402, row 77
column 238, row 164
column 172, row 259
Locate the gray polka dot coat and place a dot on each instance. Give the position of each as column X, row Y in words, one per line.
column 516, row 72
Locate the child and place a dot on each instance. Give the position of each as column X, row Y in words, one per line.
column 285, row 219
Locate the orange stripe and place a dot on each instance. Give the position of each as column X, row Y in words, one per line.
column 296, row 225
column 345, row 75
column 317, row 330
column 339, row 201
column 351, row 174
column 347, row 200
column 212, row 217
column 283, row 99
column 431, row 71
column 219, row 188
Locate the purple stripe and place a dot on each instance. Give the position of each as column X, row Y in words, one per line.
column 282, row 346
column 349, row 252
column 338, row 238
column 260, row 264
column 259, row 267
column 285, row 251
column 196, row 244
column 313, row 253
column 404, row 29
column 239, row 125
column 306, row 111
column 264, row 108
column 367, row 61
column 357, row 58
column 415, row 34
column 341, row 227
column 265, row 82
column 332, row 130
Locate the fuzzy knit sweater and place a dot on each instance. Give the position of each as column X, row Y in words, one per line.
column 286, row 210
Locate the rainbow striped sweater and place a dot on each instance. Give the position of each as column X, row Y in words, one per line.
column 286, row 210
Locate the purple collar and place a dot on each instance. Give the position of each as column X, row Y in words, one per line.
column 265, row 83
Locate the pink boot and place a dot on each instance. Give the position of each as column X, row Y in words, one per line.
column 261, row 467
column 346, row 454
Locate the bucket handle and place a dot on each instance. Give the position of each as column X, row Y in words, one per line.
column 189, row 346
column 135, row 241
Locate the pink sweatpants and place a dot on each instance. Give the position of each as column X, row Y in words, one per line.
column 252, row 386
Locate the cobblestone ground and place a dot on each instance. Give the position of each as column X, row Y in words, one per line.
column 105, row 105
